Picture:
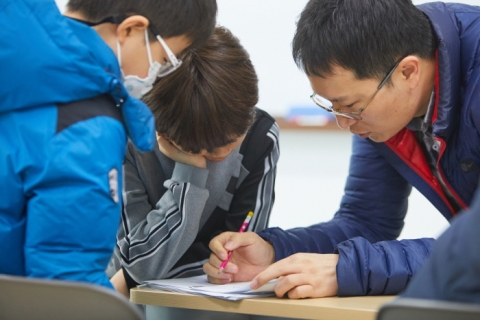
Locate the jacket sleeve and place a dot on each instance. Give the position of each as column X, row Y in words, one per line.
column 148, row 248
column 385, row 267
column 373, row 207
column 74, row 203
column 254, row 193
column 451, row 272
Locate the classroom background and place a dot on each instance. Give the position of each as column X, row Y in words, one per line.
column 314, row 156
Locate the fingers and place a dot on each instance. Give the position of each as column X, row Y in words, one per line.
column 229, row 241
column 215, row 263
column 302, row 275
column 280, row 268
column 217, row 245
column 211, row 268
column 214, row 277
column 296, row 286
column 218, row 281
column 301, row 292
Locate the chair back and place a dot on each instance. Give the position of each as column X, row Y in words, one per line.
column 420, row 309
column 28, row 298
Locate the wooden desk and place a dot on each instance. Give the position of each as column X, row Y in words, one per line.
column 358, row 308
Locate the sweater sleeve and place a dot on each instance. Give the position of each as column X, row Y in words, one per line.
column 373, row 207
column 150, row 247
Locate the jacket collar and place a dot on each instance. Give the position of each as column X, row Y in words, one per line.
column 447, row 79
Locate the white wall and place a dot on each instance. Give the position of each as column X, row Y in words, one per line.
column 266, row 29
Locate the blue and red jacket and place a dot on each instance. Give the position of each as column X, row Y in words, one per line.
column 373, row 208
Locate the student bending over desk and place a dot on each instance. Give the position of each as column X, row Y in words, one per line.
column 405, row 80
column 215, row 161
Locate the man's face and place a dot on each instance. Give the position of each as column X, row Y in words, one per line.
column 392, row 108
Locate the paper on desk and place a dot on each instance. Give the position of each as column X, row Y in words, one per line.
column 200, row 286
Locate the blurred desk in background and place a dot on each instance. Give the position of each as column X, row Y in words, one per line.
column 302, row 124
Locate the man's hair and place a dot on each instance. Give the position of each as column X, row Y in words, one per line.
column 210, row 100
column 366, row 37
column 170, row 18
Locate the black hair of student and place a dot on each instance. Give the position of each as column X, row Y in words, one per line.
column 210, row 100
column 170, row 18
column 366, row 37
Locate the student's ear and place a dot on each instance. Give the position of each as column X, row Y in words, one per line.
column 410, row 69
column 130, row 26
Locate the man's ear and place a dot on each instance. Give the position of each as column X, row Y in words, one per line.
column 130, row 26
column 410, row 69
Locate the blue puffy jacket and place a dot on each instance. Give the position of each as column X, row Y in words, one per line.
column 451, row 272
column 381, row 174
column 64, row 115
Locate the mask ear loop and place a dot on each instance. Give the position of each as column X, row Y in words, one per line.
column 148, row 48
column 119, row 55
column 119, row 52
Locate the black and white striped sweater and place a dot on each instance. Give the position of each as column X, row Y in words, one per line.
column 171, row 210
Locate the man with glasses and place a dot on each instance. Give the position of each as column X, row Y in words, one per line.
column 68, row 105
column 405, row 80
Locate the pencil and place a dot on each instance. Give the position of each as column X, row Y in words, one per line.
column 242, row 229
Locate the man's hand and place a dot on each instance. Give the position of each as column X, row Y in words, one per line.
column 302, row 275
column 177, row 155
column 251, row 255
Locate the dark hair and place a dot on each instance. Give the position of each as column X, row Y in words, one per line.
column 366, row 37
column 210, row 100
column 170, row 18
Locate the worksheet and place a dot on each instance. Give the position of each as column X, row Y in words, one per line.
column 200, row 285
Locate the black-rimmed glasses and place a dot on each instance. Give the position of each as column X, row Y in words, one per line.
column 355, row 115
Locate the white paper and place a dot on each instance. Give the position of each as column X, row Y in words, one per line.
column 200, row 285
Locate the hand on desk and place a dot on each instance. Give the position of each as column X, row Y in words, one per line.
column 302, row 275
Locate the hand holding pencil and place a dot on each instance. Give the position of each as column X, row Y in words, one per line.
column 242, row 229
column 241, row 255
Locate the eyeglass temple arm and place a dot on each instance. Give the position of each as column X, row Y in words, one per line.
column 389, row 74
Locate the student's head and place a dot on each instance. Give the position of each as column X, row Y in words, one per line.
column 348, row 47
column 180, row 23
column 207, row 105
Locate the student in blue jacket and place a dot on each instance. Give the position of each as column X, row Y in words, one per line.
column 64, row 120
column 405, row 80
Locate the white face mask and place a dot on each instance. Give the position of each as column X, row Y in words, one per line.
column 136, row 86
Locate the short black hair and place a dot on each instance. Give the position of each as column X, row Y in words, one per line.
column 210, row 100
column 171, row 18
column 366, row 37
